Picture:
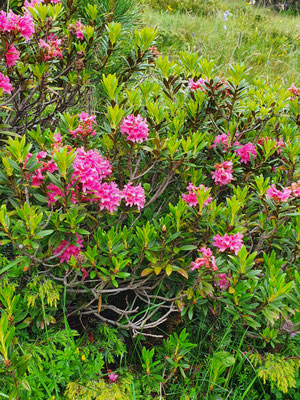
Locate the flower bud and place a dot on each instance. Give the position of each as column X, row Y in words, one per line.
column 72, row 29
column 79, row 64
column 81, row 54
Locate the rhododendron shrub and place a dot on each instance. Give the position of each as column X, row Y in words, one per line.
column 168, row 198
column 49, row 62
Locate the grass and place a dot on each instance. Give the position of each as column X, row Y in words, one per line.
column 266, row 41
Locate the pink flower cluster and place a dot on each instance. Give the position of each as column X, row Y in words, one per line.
column 32, row 3
column 207, row 259
column 223, row 173
column 197, row 85
column 112, row 376
column 17, row 24
column 222, row 140
column 109, row 196
column 85, row 127
column 37, row 178
column 71, row 249
column 296, row 188
column 134, row 195
column 223, row 281
column 295, row 91
column 79, row 30
column 229, row 242
column 90, row 168
column 51, row 46
column 135, row 128
column 11, row 56
column 191, row 197
column 5, row 84
column 245, row 151
column 278, row 195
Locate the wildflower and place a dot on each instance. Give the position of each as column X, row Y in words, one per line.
column 134, row 195
column 208, row 260
column 296, row 188
column 32, row 3
column 53, row 192
column 244, row 152
column 79, row 30
column 226, row 14
column 197, row 85
column 223, row 173
column 223, row 281
column 229, row 242
column 84, row 273
column 90, row 167
column 191, row 197
column 222, row 140
column 135, row 128
column 52, row 47
column 57, row 138
column 5, row 84
column 70, row 249
column 37, row 178
column 85, row 126
column 18, row 24
column 277, row 195
column 295, row 91
column 11, row 56
column 109, row 196
column 112, row 376
column 83, row 357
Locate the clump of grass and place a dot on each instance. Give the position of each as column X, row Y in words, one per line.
column 264, row 40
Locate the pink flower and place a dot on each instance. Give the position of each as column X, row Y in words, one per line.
column 85, row 126
column 244, row 152
column 90, row 167
column 135, row 128
column 296, row 188
column 70, row 249
column 53, row 192
column 52, row 47
column 57, row 139
column 191, row 197
column 41, row 154
column 3, row 21
column 110, row 196
column 197, row 85
column 206, row 260
column 20, row 24
column 5, row 84
column 223, row 281
column 223, row 173
column 32, row 3
column 277, row 195
column 37, row 179
column 134, row 195
column 112, row 376
column 11, row 56
column 79, row 30
column 222, row 140
column 29, row 155
column 84, row 273
column 294, row 90
column 229, row 242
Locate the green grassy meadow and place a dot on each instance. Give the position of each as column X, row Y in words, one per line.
column 266, row 41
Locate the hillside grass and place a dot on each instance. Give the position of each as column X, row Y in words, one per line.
column 266, row 41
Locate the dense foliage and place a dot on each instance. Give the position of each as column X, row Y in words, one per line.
column 142, row 199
